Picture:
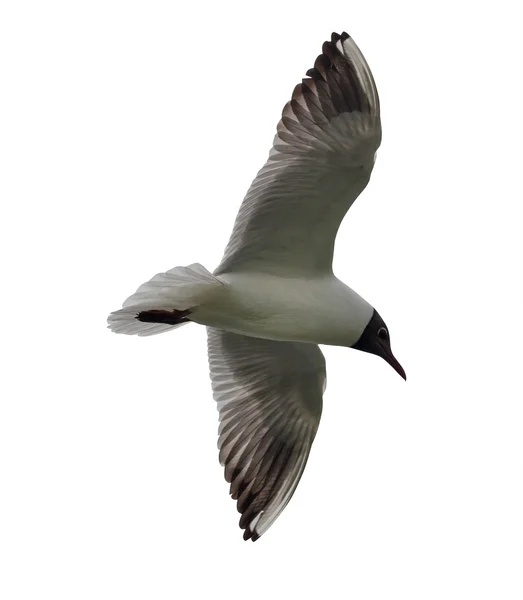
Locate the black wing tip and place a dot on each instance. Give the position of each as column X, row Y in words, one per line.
column 329, row 54
column 323, row 60
column 249, row 534
column 336, row 37
column 337, row 81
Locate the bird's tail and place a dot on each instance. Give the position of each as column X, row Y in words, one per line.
column 165, row 301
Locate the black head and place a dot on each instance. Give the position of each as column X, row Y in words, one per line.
column 375, row 339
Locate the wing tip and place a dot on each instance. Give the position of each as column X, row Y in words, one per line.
column 339, row 37
column 342, row 67
column 250, row 534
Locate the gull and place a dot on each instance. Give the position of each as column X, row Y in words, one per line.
column 274, row 296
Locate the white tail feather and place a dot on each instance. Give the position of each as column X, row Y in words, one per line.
column 181, row 288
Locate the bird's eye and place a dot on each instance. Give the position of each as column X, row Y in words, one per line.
column 383, row 334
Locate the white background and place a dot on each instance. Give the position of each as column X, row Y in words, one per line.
column 130, row 132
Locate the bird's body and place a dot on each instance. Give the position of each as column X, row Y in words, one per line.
column 286, row 309
column 274, row 297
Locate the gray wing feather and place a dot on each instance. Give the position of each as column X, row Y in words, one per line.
column 269, row 397
column 321, row 160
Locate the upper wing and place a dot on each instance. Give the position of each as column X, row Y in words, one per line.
column 321, row 160
column 269, row 396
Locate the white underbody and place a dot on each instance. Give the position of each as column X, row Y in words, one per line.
column 322, row 310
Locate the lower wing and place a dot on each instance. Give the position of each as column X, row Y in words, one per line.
column 269, row 397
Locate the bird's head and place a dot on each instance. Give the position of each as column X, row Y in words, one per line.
column 376, row 340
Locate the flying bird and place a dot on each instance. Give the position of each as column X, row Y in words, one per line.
column 274, row 296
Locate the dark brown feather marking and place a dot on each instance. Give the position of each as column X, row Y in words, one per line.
column 168, row 317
